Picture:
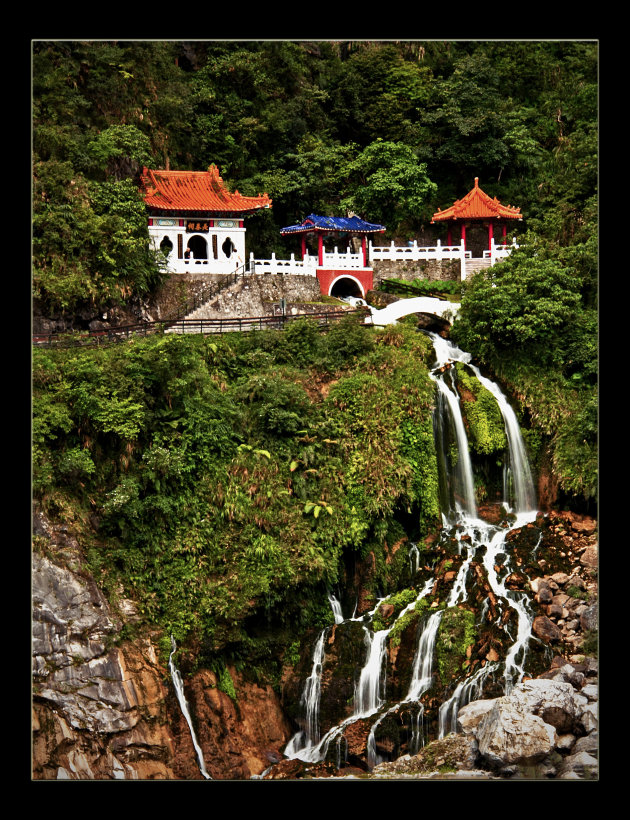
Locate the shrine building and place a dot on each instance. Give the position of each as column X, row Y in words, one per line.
column 474, row 210
column 195, row 221
column 339, row 272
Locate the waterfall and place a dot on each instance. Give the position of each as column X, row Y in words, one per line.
column 485, row 535
column 525, row 495
column 461, row 495
column 309, row 701
column 524, row 492
column 336, row 608
column 476, row 538
column 367, row 700
column 303, row 741
column 179, row 690
column 414, row 559
column 367, row 696
column 466, row 691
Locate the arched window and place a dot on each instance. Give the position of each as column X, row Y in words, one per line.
column 228, row 247
column 166, row 246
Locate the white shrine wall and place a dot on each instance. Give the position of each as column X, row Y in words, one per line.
column 206, row 239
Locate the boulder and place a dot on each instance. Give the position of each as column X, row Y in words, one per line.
column 582, row 766
column 589, row 618
column 588, row 558
column 469, row 716
column 589, row 743
column 555, row 702
column 508, row 735
column 545, row 629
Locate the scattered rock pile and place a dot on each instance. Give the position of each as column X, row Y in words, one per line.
column 546, row 728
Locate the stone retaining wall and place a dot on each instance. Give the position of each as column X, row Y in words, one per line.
column 435, row 270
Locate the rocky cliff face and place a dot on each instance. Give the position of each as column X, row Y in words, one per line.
column 105, row 708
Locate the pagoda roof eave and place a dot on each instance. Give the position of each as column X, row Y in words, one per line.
column 196, row 192
column 477, row 205
column 333, row 224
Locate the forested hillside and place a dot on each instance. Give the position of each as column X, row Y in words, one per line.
column 390, row 130
column 215, row 489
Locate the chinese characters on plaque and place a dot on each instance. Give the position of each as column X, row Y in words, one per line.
column 193, row 226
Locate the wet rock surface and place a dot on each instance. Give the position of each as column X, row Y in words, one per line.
column 103, row 708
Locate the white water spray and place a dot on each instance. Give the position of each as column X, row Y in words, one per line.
column 183, row 703
column 474, row 535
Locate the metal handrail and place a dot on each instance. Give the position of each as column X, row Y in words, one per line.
column 202, row 326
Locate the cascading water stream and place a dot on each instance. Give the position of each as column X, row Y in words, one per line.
column 367, row 699
column 336, row 608
column 524, row 492
column 493, row 538
column 460, row 516
column 178, row 683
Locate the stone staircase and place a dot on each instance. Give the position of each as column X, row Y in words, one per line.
column 224, row 302
column 473, row 265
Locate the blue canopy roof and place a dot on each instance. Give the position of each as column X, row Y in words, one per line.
column 349, row 224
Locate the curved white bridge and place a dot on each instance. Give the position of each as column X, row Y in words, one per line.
column 418, row 304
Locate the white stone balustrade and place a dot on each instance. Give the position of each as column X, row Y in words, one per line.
column 296, row 267
column 414, row 252
column 498, row 252
column 346, row 260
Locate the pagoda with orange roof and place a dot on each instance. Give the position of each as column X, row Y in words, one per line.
column 477, row 207
column 196, row 221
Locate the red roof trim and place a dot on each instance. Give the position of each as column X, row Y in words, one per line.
column 205, row 191
column 477, row 205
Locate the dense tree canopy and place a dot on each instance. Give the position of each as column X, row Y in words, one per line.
column 391, row 130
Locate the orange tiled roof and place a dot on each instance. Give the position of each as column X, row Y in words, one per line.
column 478, row 205
column 196, row 191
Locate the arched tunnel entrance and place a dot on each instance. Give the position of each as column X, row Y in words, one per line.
column 345, row 286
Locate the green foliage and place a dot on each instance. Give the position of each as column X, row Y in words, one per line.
column 456, row 633
column 522, row 303
column 391, row 130
column 484, row 422
column 199, row 457
column 226, row 684
column 424, row 287
column 388, row 185
column 222, row 484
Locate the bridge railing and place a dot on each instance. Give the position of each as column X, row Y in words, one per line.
column 342, row 260
column 293, row 266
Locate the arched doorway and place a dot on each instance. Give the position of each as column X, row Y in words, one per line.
column 198, row 247
column 345, row 286
column 228, row 247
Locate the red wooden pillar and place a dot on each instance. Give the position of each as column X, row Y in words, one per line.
column 320, row 250
column 364, row 250
column 504, row 232
column 490, row 235
column 464, row 235
column 449, row 237
column 303, row 246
